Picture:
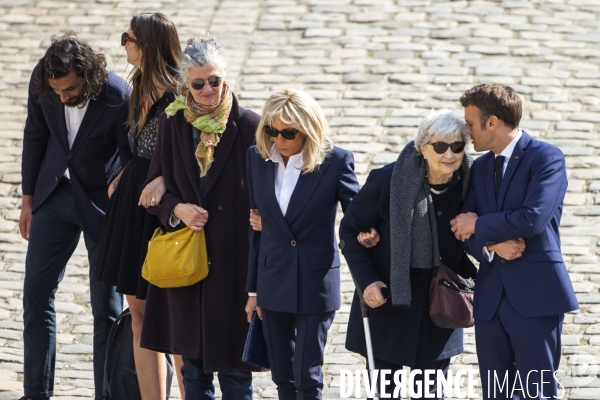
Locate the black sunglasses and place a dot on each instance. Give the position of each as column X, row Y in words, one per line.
column 442, row 147
column 287, row 134
column 198, row 84
column 126, row 38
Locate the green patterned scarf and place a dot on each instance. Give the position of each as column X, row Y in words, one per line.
column 209, row 120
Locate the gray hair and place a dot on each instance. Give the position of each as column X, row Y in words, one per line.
column 441, row 123
column 200, row 52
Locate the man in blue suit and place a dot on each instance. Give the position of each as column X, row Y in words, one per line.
column 510, row 224
column 75, row 142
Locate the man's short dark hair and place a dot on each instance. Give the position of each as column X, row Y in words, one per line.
column 65, row 54
column 495, row 99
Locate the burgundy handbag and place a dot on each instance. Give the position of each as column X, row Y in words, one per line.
column 451, row 299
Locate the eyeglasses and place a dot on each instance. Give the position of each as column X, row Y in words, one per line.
column 198, row 84
column 442, row 147
column 287, row 134
column 126, row 38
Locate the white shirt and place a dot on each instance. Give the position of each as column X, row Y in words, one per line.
column 73, row 118
column 507, row 153
column 286, row 177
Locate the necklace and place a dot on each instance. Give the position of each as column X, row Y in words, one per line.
column 438, row 191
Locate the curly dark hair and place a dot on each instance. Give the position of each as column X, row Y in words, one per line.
column 66, row 54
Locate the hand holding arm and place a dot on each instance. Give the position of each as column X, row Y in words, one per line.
column 153, row 192
column 369, row 239
column 463, row 225
column 509, row 250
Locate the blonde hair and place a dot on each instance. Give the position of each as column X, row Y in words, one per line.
column 300, row 111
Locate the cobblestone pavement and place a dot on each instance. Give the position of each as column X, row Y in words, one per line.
column 376, row 66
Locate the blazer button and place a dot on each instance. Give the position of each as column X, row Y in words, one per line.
column 439, row 213
column 293, row 242
column 502, row 261
column 220, row 207
column 56, row 178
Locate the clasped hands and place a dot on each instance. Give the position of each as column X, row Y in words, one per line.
column 193, row 216
column 463, row 227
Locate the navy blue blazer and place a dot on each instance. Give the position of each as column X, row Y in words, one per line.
column 98, row 152
column 294, row 264
column 529, row 206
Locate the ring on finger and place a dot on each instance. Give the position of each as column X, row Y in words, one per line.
column 154, row 200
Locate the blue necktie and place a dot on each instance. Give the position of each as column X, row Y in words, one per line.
column 499, row 166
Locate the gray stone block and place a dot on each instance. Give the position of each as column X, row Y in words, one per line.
column 550, row 97
column 352, row 121
column 574, row 126
column 405, row 121
column 322, row 32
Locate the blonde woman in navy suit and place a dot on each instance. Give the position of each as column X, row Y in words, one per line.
column 296, row 177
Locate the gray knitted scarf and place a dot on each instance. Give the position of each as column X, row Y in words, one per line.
column 413, row 230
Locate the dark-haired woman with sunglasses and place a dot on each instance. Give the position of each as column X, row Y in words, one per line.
column 152, row 47
column 201, row 154
column 410, row 203
column 296, row 179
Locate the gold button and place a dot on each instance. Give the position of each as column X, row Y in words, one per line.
column 293, row 242
column 176, row 243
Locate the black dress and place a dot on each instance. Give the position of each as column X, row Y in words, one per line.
column 127, row 226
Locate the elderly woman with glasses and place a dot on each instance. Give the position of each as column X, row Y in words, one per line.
column 410, row 203
column 296, row 179
column 201, row 150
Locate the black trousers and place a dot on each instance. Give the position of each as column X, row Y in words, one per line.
column 441, row 365
column 295, row 347
column 54, row 235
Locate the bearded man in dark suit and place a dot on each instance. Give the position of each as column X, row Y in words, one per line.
column 75, row 143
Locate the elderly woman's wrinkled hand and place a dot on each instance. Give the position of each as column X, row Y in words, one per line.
column 372, row 294
column 368, row 239
column 463, row 225
column 255, row 220
column 152, row 193
column 193, row 217
column 509, row 250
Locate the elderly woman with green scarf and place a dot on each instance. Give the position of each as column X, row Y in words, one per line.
column 201, row 150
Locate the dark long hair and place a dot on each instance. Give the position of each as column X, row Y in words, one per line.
column 65, row 54
column 157, row 38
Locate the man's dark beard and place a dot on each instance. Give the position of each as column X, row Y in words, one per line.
column 75, row 102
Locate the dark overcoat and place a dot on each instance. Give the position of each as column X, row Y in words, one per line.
column 400, row 336
column 206, row 320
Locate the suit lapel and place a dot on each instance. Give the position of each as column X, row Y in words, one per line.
column 513, row 163
column 306, row 186
column 267, row 191
column 92, row 114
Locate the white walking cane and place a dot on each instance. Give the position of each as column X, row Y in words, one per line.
column 364, row 312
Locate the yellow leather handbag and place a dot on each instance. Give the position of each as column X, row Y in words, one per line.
column 176, row 259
